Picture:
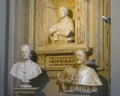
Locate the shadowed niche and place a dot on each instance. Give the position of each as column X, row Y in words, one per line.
column 41, row 80
column 102, row 90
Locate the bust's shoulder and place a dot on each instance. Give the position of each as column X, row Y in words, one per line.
column 69, row 19
column 17, row 63
column 32, row 62
column 16, row 66
column 87, row 69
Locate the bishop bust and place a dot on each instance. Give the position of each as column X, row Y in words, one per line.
column 25, row 69
column 78, row 77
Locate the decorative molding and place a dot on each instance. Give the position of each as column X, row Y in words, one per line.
column 88, row 24
column 55, row 49
column 31, row 24
column 26, row 21
column 39, row 21
column 41, row 60
column 99, row 34
column 81, row 21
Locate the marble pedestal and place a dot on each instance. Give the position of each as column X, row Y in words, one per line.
column 25, row 91
column 77, row 94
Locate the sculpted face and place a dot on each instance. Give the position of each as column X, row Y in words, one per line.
column 25, row 52
column 63, row 11
column 79, row 57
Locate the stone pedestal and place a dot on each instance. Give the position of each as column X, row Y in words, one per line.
column 78, row 94
column 25, row 91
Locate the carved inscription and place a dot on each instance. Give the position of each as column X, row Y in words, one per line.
column 59, row 62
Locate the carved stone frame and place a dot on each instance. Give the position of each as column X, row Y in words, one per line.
column 41, row 24
column 89, row 31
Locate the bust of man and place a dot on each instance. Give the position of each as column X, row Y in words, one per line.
column 79, row 77
column 63, row 31
column 26, row 69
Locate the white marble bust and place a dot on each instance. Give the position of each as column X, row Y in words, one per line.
column 26, row 69
column 63, row 30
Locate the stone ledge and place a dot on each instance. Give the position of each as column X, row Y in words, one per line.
column 55, row 49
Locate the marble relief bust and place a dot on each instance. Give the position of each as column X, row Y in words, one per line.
column 25, row 69
column 62, row 31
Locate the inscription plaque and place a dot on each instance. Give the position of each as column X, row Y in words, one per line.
column 58, row 62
